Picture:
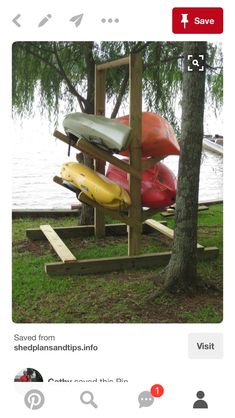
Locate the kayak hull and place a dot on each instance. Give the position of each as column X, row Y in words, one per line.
column 158, row 186
column 212, row 146
column 95, row 186
column 101, row 131
column 158, row 138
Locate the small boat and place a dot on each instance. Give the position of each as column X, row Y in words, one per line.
column 103, row 132
column 158, row 187
column 95, row 186
column 214, row 145
column 158, row 138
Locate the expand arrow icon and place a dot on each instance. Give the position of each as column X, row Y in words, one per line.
column 16, row 19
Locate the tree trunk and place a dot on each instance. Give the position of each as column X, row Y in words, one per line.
column 181, row 272
column 87, row 212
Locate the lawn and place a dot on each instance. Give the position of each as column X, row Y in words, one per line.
column 118, row 297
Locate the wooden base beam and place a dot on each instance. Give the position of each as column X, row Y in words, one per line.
column 107, row 265
column 171, row 211
column 57, row 244
column 168, row 232
column 84, row 231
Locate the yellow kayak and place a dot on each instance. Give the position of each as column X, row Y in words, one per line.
column 96, row 186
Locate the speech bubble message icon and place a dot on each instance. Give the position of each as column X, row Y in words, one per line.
column 145, row 399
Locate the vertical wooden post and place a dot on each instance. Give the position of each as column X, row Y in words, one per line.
column 99, row 217
column 135, row 211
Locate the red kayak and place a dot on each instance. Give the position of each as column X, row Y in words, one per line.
column 158, row 137
column 158, row 188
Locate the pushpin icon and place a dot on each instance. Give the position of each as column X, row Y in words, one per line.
column 184, row 19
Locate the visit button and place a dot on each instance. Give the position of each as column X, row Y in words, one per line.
column 205, row 345
column 197, row 20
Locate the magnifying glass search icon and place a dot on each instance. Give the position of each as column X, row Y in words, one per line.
column 87, row 398
column 195, row 62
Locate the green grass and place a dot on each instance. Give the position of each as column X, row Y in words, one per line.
column 205, row 314
column 209, row 226
column 20, row 225
column 115, row 297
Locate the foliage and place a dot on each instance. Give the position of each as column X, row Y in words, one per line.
column 61, row 76
column 214, row 86
column 163, row 78
column 52, row 71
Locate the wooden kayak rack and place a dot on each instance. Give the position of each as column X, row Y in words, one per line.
column 136, row 221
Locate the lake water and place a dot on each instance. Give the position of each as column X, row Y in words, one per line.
column 38, row 156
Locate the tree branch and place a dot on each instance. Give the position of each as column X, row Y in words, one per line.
column 140, row 46
column 214, row 69
column 40, row 47
column 71, row 88
column 120, row 94
column 124, row 83
column 163, row 61
column 40, row 58
column 59, row 71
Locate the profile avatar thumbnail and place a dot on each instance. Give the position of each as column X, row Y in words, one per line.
column 28, row 375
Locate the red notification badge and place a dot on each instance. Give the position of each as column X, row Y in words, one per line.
column 157, row 390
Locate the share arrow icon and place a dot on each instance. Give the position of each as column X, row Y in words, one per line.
column 15, row 20
column 77, row 19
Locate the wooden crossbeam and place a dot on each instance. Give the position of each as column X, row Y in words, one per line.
column 112, row 64
column 146, row 214
column 151, row 161
column 113, row 213
column 85, row 199
column 168, row 232
column 98, row 153
column 58, row 245
column 60, row 181
column 105, row 265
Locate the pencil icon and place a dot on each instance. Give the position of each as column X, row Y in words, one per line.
column 44, row 20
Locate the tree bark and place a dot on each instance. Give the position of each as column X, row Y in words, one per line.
column 181, row 272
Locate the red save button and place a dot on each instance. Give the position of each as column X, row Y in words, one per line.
column 197, row 20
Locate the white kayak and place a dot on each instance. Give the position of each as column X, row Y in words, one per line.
column 213, row 146
column 106, row 133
